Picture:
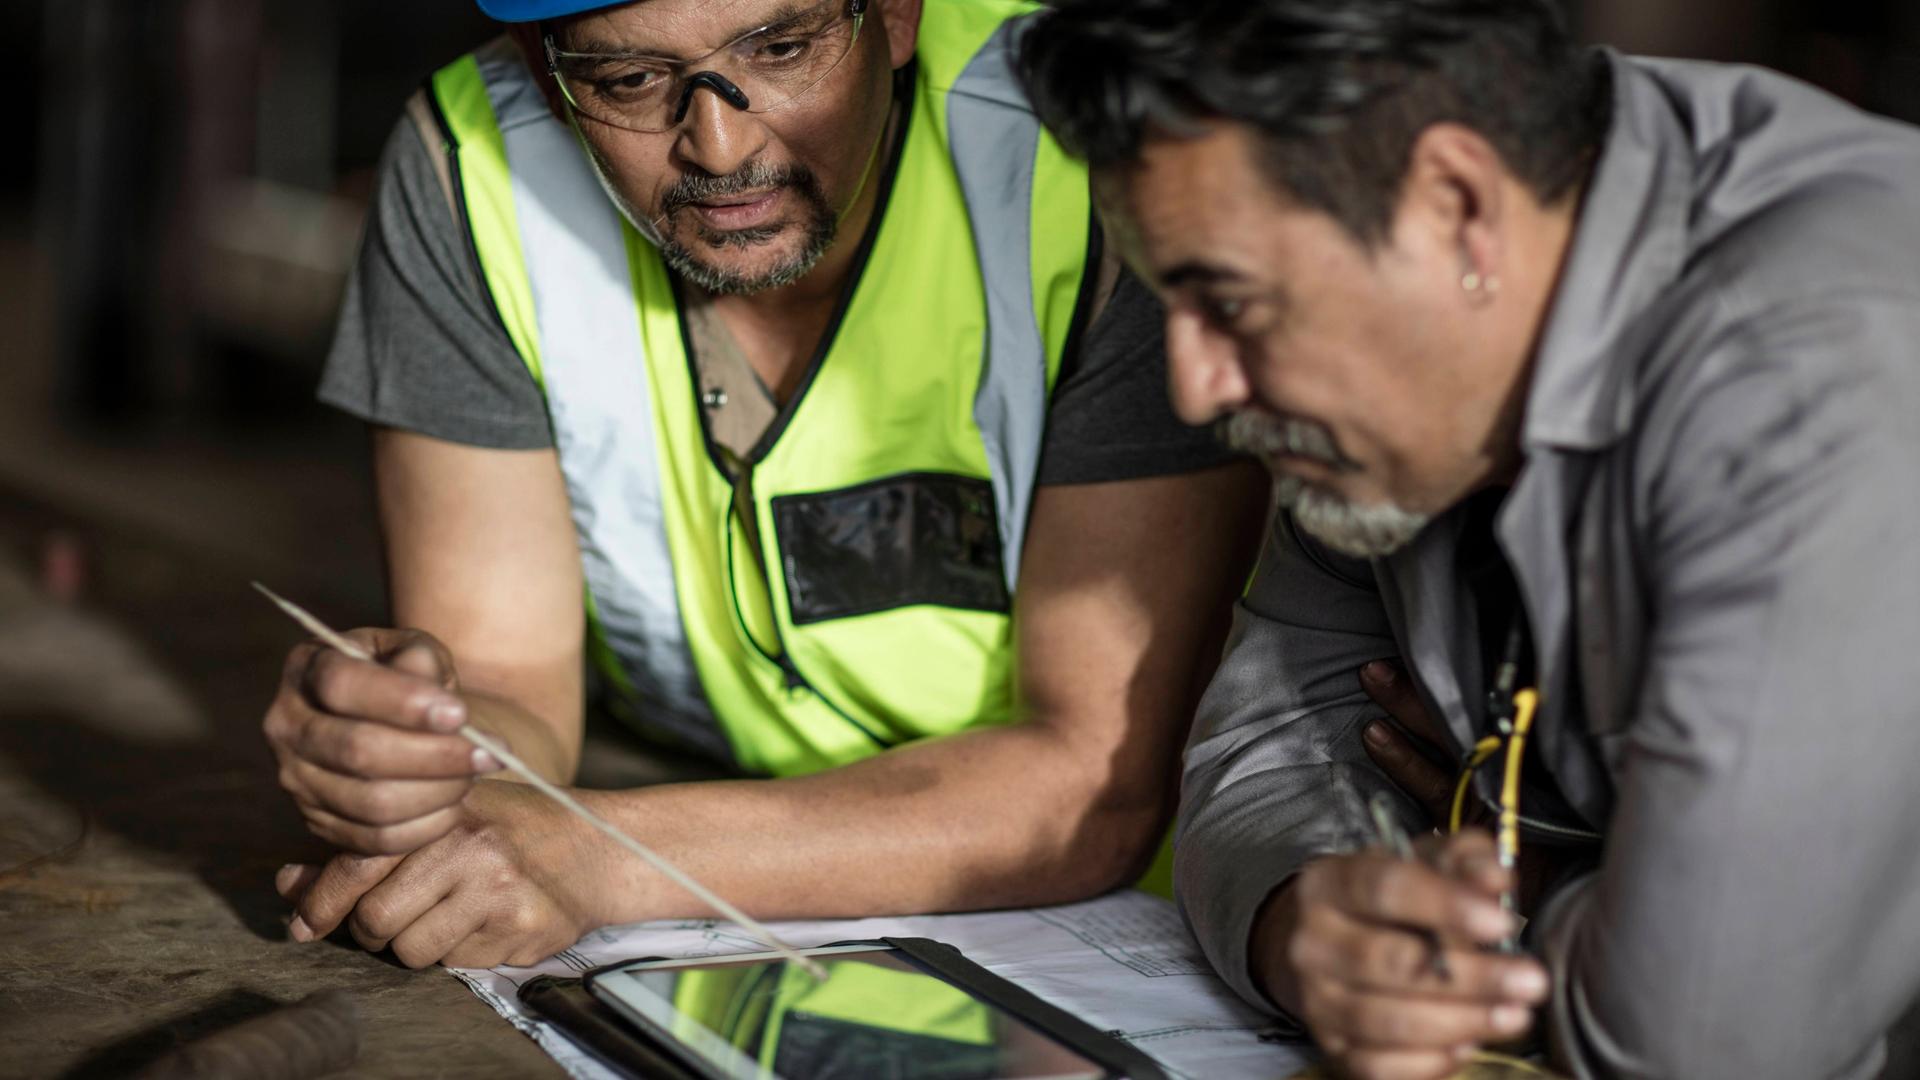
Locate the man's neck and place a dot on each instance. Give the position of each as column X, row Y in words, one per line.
column 1535, row 274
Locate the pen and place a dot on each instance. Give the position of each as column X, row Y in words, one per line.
column 1389, row 835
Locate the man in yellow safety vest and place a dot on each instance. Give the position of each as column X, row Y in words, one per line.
column 765, row 354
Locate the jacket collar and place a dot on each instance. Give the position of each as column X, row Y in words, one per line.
column 1627, row 249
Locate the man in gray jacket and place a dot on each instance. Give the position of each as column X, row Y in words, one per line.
column 1583, row 374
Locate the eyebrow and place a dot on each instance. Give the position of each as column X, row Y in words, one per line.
column 784, row 17
column 1197, row 272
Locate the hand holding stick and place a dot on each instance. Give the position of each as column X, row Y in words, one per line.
column 512, row 761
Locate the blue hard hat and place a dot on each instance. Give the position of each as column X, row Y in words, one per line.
column 514, row 11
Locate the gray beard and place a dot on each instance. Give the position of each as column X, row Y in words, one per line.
column 1365, row 532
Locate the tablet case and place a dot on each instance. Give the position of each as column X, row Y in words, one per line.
column 600, row 1031
column 1095, row 1045
column 569, row 1005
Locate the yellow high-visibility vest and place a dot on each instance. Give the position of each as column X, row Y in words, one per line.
column 890, row 502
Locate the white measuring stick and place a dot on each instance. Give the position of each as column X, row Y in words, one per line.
column 512, row 761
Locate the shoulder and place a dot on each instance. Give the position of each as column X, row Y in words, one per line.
column 414, row 181
column 1792, row 189
column 1797, row 306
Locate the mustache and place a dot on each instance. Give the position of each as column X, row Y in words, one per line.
column 1266, row 436
column 755, row 175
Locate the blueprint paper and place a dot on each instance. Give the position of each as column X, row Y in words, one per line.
column 1123, row 963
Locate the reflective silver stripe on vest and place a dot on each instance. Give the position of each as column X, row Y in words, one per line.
column 994, row 139
column 592, row 365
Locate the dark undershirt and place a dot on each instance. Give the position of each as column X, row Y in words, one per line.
column 1484, row 571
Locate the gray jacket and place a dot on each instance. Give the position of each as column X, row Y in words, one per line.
column 1717, row 538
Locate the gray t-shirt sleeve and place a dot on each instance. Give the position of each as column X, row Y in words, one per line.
column 418, row 345
column 1110, row 418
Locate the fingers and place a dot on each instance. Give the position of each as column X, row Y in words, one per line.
column 375, row 750
column 418, row 653
column 1375, row 887
column 434, row 937
column 402, row 898
column 1400, row 1021
column 332, row 894
column 372, row 840
column 364, row 749
column 337, row 683
column 1374, row 959
column 358, row 748
column 1390, row 688
column 1412, row 1023
column 1411, row 770
column 1469, row 857
column 379, row 803
column 293, row 879
column 1364, row 967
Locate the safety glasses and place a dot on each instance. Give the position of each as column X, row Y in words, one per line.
column 758, row 72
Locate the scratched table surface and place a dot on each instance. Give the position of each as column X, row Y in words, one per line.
column 140, row 829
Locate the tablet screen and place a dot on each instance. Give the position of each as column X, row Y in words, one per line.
column 875, row 1015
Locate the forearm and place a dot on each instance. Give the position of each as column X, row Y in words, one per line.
column 550, row 748
column 1250, row 824
column 997, row 818
column 481, row 553
column 535, row 704
column 1276, row 771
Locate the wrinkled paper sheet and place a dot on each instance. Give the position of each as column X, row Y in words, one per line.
column 1123, row 963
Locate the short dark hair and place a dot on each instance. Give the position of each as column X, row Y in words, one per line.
column 1339, row 89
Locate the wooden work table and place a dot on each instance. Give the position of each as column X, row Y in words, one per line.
column 132, row 767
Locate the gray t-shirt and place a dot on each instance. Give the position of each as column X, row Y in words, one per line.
column 419, row 347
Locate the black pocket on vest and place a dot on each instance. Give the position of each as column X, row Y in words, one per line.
column 916, row 538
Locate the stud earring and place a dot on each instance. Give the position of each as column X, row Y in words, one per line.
column 1473, row 281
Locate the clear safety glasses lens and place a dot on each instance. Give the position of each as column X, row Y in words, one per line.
column 770, row 68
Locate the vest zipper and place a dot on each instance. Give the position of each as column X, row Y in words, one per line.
column 738, row 470
column 796, row 681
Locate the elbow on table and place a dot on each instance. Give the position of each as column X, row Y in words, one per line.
column 1110, row 845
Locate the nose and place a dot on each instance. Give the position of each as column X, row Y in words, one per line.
column 1204, row 377
column 716, row 137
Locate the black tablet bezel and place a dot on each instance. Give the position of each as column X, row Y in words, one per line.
column 946, row 963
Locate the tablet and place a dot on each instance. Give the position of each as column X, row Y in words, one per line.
column 897, row 1008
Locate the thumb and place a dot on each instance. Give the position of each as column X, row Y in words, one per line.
column 417, row 652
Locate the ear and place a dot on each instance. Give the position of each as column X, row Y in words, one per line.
column 1115, row 210
column 533, row 50
column 901, row 19
column 1455, row 196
